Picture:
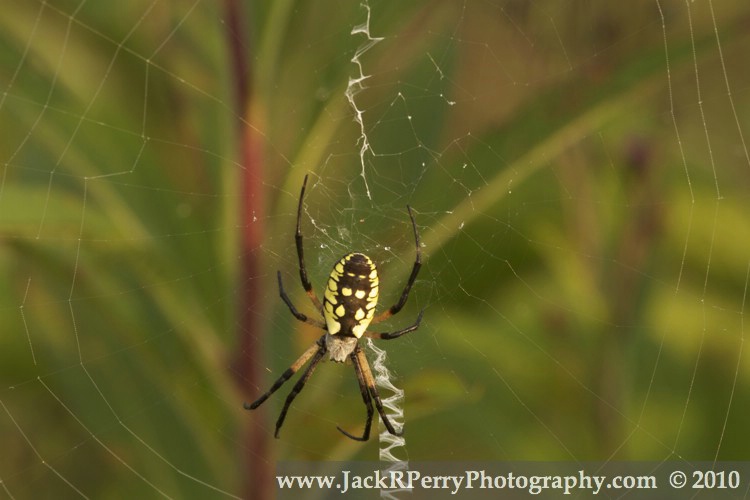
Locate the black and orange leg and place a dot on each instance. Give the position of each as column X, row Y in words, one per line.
column 301, row 253
column 397, row 334
column 365, row 391
column 300, row 316
column 317, row 349
column 361, row 365
column 298, row 387
column 412, row 277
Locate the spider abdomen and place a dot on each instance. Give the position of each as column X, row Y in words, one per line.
column 351, row 295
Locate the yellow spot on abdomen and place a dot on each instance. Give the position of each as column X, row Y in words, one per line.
column 358, row 330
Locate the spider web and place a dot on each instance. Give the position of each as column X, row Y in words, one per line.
column 578, row 174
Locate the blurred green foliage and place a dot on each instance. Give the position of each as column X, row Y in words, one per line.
column 580, row 187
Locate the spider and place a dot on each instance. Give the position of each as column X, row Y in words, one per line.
column 348, row 308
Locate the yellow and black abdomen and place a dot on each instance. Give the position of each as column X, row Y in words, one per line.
column 351, row 295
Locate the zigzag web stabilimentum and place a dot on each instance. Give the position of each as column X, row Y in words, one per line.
column 393, row 404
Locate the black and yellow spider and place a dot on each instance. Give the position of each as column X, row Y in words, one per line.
column 348, row 308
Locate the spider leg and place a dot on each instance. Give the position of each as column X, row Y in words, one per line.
column 299, row 386
column 412, row 277
column 364, row 390
column 301, row 253
column 394, row 335
column 317, row 348
column 361, row 364
column 300, row 316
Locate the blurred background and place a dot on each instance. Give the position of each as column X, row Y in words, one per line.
column 579, row 173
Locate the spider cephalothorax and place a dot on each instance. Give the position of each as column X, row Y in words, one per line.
column 348, row 308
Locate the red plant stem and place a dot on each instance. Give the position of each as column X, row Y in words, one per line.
column 258, row 480
column 259, row 473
